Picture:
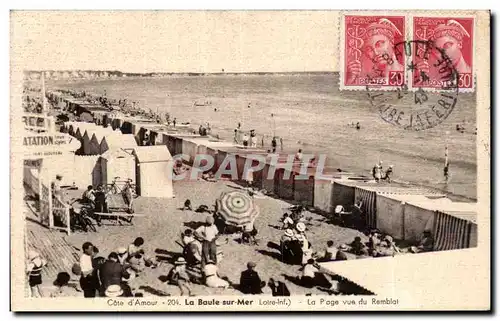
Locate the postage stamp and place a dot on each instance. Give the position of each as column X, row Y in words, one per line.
column 454, row 36
column 228, row 172
column 367, row 51
column 420, row 109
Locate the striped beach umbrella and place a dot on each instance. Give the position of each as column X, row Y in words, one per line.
column 236, row 208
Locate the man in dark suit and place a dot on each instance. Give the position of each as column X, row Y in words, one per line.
column 250, row 282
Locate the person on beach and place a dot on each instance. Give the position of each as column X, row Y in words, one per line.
column 235, row 138
column 122, row 254
column 88, row 283
column 329, row 253
column 34, row 270
column 253, row 138
column 100, row 203
column 56, row 187
column 111, row 271
column 207, row 234
column 308, row 277
column 274, row 144
column 245, row 139
column 62, row 286
column 358, row 248
column 179, row 276
column 88, row 196
column 187, row 205
column 426, row 243
column 358, row 126
column 278, row 288
column 136, row 248
column 249, row 234
column 192, row 248
column 212, row 278
column 250, row 282
column 388, row 174
column 299, row 156
column 174, row 122
column 287, row 222
column 341, row 256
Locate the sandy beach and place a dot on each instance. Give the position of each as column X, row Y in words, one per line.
column 164, row 221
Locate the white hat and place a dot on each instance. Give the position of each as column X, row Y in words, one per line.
column 339, row 209
column 391, row 166
column 289, row 232
column 113, row 291
column 32, row 255
column 180, row 261
column 301, row 227
column 121, row 250
column 343, row 247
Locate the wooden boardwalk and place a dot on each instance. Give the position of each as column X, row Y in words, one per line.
column 52, row 246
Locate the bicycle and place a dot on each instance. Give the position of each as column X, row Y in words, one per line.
column 114, row 188
column 82, row 219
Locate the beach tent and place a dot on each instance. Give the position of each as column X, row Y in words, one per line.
column 343, row 193
column 453, row 226
column 304, row 186
column 411, row 277
column 368, row 194
column 390, row 209
column 154, row 171
column 323, row 189
column 117, row 163
column 117, row 140
column 87, row 136
column 284, row 183
column 323, row 192
column 95, row 141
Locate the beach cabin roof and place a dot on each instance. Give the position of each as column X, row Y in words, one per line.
column 149, row 154
column 412, row 275
column 118, row 140
column 115, row 154
column 463, row 210
column 99, row 133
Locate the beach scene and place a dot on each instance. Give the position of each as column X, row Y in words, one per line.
column 310, row 112
column 173, row 187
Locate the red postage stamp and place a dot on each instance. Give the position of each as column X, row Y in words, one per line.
column 438, row 38
column 368, row 52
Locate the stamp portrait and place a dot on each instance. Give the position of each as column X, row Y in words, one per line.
column 367, row 49
column 454, row 36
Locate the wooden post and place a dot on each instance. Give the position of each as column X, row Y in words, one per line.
column 68, row 219
column 51, row 214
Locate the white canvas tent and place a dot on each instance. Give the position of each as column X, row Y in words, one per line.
column 117, row 140
column 154, row 171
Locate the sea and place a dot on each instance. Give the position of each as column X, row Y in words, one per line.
column 308, row 111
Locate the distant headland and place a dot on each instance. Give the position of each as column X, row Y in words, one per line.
column 113, row 74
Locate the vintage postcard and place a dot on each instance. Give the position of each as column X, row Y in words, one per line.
column 250, row 160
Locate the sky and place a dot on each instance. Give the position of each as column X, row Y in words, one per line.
column 175, row 41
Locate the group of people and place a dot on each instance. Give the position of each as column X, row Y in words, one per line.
column 97, row 275
column 200, row 258
column 380, row 175
column 111, row 277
